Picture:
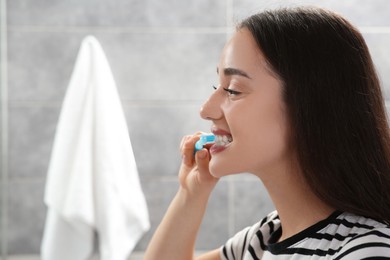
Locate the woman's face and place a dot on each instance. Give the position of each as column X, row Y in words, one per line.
column 247, row 112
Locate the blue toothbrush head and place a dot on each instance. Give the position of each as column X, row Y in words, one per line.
column 204, row 139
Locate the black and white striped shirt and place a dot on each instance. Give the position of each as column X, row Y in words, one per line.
column 340, row 236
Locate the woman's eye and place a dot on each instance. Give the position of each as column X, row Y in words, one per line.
column 231, row 92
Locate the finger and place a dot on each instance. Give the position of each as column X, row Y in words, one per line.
column 183, row 140
column 202, row 161
column 187, row 150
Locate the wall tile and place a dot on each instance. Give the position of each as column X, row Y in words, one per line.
column 40, row 65
column 214, row 230
column 164, row 66
column 26, row 216
column 156, row 132
column 388, row 110
column 251, row 203
column 159, row 195
column 2, row 207
column 31, row 134
column 380, row 52
column 117, row 13
column 359, row 12
column 157, row 66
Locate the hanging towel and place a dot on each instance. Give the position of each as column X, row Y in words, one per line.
column 92, row 184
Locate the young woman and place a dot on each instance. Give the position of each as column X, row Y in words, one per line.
column 299, row 105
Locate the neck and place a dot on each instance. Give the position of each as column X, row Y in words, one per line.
column 297, row 205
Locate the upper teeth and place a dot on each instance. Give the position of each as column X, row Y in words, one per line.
column 222, row 140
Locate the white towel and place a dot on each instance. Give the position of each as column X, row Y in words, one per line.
column 92, row 183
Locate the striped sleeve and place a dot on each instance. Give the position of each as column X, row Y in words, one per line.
column 373, row 244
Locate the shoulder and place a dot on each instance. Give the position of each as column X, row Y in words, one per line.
column 266, row 225
column 258, row 233
column 366, row 238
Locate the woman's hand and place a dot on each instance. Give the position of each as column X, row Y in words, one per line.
column 194, row 174
column 176, row 235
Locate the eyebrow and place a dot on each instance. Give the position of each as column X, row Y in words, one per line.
column 234, row 71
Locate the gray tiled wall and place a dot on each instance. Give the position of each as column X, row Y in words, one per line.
column 163, row 56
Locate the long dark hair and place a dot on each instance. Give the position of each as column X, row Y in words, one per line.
column 334, row 103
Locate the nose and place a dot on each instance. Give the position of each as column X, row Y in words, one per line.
column 211, row 109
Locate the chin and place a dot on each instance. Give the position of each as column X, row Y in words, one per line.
column 219, row 170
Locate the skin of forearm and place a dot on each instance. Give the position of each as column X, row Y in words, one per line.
column 176, row 235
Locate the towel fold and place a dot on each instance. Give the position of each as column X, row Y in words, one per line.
column 92, row 183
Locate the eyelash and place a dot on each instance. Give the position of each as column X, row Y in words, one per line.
column 229, row 91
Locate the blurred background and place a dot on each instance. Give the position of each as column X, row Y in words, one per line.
column 163, row 55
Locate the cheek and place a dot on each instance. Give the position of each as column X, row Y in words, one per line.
column 273, row 144
column 261, row 140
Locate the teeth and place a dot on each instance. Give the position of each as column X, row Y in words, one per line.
column 222, row 140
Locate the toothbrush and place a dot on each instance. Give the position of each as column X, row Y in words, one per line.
column 204, row 139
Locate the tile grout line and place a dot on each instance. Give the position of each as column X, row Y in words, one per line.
column 4, row 128
column 129, row 102
column 229, row 27
column 119, row 29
